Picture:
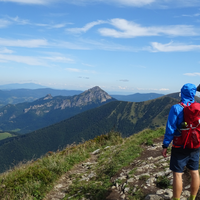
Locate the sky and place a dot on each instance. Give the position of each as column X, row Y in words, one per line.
column 122, row 46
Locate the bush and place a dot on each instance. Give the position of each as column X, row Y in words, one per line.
column 163, row 182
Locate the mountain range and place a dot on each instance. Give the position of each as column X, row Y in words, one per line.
column 29, row 92
column 125, row 117
column 15, row 96
column 30, row 116
column 55, row 122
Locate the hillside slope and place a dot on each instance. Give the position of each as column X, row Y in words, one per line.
column 105, row 168
column 125, row 117
column 30, row 116
column 137, row 97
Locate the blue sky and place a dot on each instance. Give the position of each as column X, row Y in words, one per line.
column 123, row 46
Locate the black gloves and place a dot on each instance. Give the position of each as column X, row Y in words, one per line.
column 198, row 88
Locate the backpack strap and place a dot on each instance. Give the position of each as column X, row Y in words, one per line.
column 182, row 104
column 190, row 130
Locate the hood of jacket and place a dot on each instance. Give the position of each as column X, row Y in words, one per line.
column 188, row 92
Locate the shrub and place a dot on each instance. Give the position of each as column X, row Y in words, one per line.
column 163, row 182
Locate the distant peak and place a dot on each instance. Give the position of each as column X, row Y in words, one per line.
column 48, row 96
column 96, row 88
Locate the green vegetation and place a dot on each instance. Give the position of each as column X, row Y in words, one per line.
column 43, row 112
column 109, row 163
column 5, row 135
column 124, row 117
column 163, row 182
column 35, row 178
column 10, row 134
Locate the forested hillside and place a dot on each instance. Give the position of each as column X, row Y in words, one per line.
column 126, row 117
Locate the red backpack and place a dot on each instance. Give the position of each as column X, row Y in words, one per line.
column 190, row 134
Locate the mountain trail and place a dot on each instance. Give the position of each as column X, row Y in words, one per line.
column 62, row 185
column 145, row 175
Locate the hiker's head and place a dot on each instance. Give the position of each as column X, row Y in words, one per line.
column 188, row 92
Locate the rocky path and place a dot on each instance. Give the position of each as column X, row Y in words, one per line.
column 66, row 180
column 145, row 175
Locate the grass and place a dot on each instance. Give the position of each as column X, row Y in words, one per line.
column 34, row 179
column 163, row 182
column 109, row 163
column 5, row 135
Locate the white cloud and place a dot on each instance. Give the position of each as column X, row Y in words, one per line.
column 137, row 3
column 22, row 59
column 129, row 29
column 59, row 59
column 86, row 27
column 153, row 89
column 5, row 50
column 69, row 45
column 171, row 47
column 72, row 69
column 40, row 2
column 163, row 89
column 192, row 74
column 133, row 3
column 18, row 20
column 106, row 45
column 88, row 65
column 24, row 43
column 122, row 88
column 194, row 15
column 62, row 25
column 4, row 23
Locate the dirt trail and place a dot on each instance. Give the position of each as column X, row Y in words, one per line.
column 60, row 189
column 66, row 180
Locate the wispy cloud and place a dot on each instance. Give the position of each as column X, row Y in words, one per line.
column 73, row 70
column 153, row 89
column 88, row 65
column 22, row 59
column 131, row 3
column 81, row 70
column 7, row 20
column 59, row 59
column 194, row 15
column 124, row 80
column 171, row 47
column 6, row 51
column 192, row 74
column 129, row 29
column 24, row 43
column 86, row 27
column 18, row 20
column 39, row 2
column 4, row 23
column 106, row 45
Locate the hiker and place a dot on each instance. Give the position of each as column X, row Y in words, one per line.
column 180, row 156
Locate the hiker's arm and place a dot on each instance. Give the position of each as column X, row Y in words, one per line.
column 171, row 126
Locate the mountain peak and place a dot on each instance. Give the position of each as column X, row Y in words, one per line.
column 96, row 94
column 48, row 96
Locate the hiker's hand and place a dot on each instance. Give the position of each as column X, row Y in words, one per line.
column 164, row 152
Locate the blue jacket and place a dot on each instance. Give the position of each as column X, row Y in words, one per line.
column 175, row 117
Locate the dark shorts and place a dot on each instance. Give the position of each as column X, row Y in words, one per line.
column 184, row 157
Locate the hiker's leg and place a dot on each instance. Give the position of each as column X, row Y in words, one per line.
column 194, row 182
column 177, row 184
